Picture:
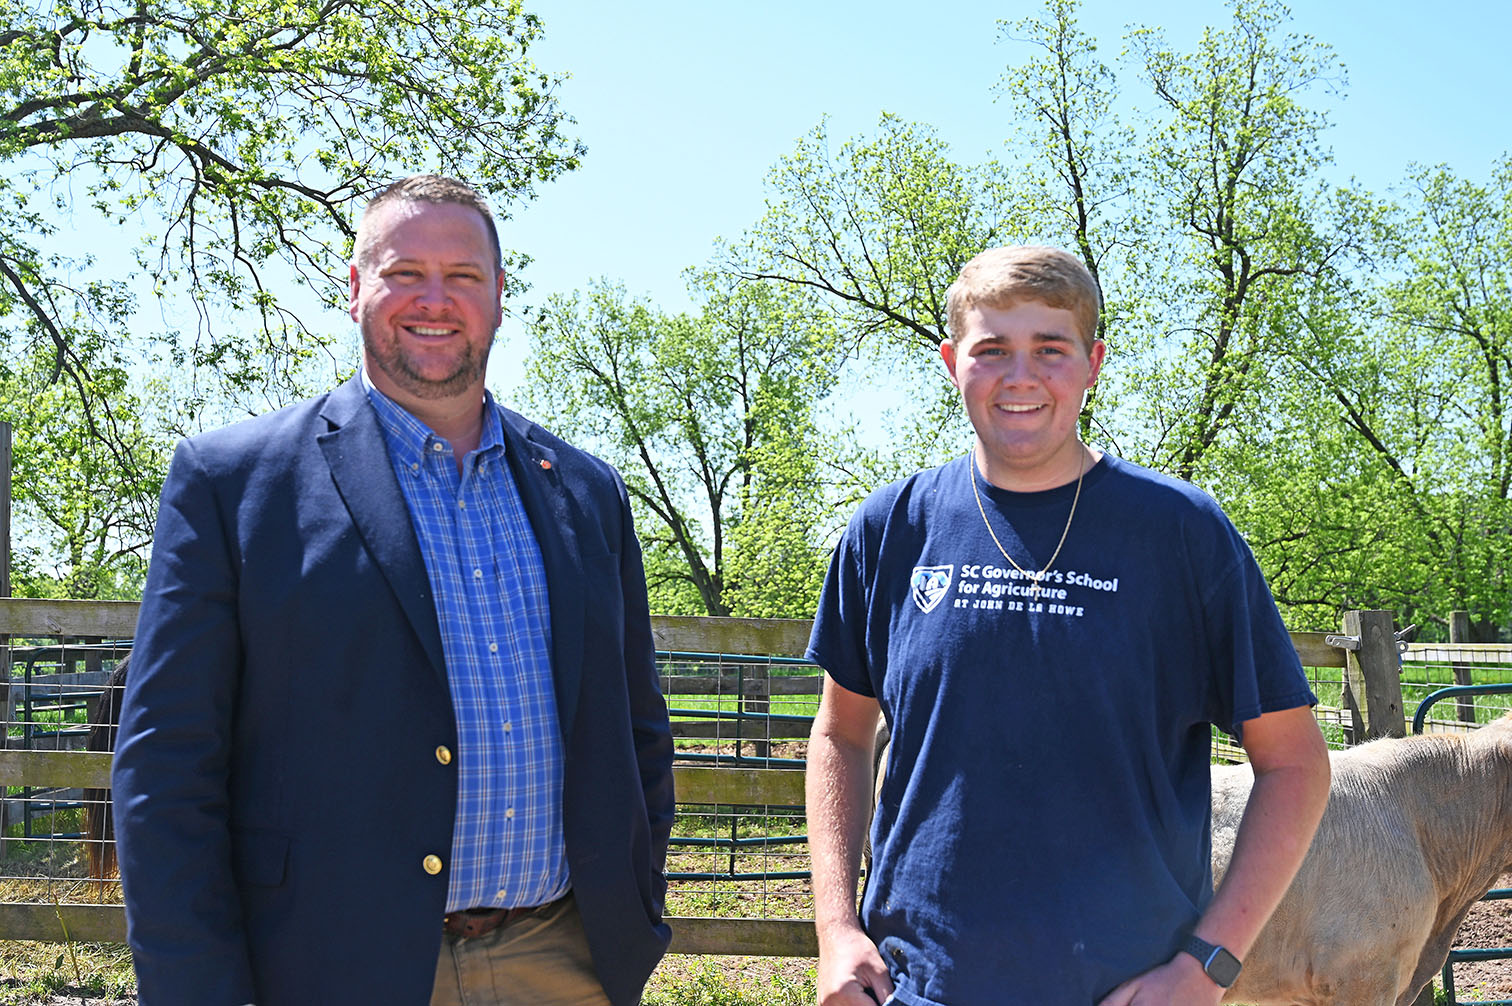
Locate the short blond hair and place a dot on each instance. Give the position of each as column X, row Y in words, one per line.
column 1002, row 277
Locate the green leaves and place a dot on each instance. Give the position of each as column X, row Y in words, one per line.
column 1236, row 154
column 881, row 227
column 711, row 418
column 1332, row 366
column 243, row 137
column 252, row 131
column 86, row 475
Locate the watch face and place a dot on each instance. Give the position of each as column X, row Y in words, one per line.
column 1223, row 968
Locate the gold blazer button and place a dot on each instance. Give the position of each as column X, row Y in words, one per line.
column 443, row 754
column 432, row 865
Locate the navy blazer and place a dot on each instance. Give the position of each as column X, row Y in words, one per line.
column 278, row 780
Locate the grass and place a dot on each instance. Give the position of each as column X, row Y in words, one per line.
column 40, row 973
column 36, row 973
column 683, row 980
column 739, row 898
column 83, row 974
column 49, row 872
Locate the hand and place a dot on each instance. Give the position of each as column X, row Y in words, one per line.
column 849, row 967
column 1178, row 982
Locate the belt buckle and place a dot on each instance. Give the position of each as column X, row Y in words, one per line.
column 470, row 923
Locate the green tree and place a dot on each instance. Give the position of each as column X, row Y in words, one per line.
column 1074, row 152
column 1239, row 156
column 880, row 227
column 711, row 419
column 1421, row 389
column 1075, row 162
column 81, row 530
column 875, row 232
column 1376, row 476
column 239, row 137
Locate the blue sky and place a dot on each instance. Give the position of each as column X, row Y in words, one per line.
column 685, row 106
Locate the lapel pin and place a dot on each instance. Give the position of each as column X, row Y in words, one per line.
column 545, row 465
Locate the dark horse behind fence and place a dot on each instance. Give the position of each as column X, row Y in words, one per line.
column 99, row 823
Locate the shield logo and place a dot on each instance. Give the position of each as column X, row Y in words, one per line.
column 929, row 584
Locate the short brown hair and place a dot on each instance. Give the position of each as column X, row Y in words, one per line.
column 430, row 189
column 1001, row 277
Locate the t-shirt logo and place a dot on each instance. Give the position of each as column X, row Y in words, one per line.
column 929, row 584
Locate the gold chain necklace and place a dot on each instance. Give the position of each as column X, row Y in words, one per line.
column 1081, row 470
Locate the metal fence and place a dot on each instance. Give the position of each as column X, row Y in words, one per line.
column 1470, row 705
column 738, row 864
column 53, row 697
column 739, row 860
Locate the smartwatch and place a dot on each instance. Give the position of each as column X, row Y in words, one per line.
column 1221, row 966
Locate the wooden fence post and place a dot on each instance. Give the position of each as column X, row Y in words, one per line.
column 1459, row 632
column 756, row 700
column 1374, row 674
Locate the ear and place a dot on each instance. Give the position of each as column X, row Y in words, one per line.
column 1095, row 359
column 948, row 354
column 352, row 285
column 499, row 299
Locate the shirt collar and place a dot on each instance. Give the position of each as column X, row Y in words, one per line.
column 411, row 440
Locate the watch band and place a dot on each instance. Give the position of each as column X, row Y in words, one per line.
column 1221, row 966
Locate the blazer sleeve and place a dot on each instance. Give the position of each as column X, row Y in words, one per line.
column 169, row 777
column 650, row 728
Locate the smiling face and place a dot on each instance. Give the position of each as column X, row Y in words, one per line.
column 426, row 293
column 1021, row 371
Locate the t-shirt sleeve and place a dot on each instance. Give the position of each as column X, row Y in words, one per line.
column 838, row 640
column 1255, row 664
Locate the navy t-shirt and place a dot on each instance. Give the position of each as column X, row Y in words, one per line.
column 1043, row 831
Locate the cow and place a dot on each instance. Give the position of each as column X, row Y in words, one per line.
column 1417, row 830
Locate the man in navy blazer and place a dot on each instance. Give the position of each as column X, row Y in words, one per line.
column 287, row 771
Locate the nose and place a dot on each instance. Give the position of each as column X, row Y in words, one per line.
column 1018, row 368
column 432, row 295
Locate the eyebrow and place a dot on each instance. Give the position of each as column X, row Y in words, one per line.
column 1044, row 336
column 457, row 264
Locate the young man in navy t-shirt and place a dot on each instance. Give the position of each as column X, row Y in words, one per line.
column 1049, row 632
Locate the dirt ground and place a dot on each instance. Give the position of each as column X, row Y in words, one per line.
column 1488, row 925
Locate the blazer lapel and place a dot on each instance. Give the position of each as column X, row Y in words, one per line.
column 539, row 478
column 359, row 462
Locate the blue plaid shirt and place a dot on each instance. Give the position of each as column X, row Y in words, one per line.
column 490, row 587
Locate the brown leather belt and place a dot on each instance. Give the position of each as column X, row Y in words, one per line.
column 470, row 923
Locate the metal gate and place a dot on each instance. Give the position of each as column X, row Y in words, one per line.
column 1498, row 894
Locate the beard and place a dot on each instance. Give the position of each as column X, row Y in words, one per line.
column 424, row 378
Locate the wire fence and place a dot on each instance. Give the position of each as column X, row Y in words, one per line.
column 53, row 697
column 736, row 860
column 1430, row 667
column 726, row 860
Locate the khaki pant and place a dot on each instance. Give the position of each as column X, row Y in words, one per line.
column 539, row 960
